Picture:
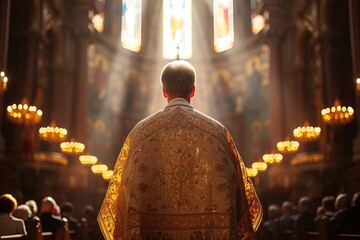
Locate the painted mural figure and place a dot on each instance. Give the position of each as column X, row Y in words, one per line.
column 224, row 100
column 256, row 100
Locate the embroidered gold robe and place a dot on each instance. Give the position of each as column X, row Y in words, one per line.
column 179, row 176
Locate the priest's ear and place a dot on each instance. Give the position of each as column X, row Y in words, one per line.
column 164, row 93
column 192, row 94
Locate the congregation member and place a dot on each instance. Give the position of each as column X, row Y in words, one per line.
column 66, row 210
column 348, row 220
column 50, row 221
column 305, row 215
column 287, row 212
column 23, row 212
column 9, row 225
column 327, row 210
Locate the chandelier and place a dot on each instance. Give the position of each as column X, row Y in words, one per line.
column 337, row 114
column 307, row 133
column 272, row 158
column 251, row 172
column 88, row 159
column 52, row 133
column 288, row 146
column 107, row 174
column 23, row 113
column 260, row 166
column 99, row 168
column 3, row 81
column 72, row 147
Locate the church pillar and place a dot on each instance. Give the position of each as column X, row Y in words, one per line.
column 80, row 84
column 275, row 12
column 27, row 75
column 4, row 32
column 34, row 37
column 335, row 139
column 4, row 35
column 354, row 10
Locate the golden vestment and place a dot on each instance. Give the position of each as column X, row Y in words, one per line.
column 179, row 176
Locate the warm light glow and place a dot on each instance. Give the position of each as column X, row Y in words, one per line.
column 307, row 133
column 358, row 85
column 177, row 29
column 257, row 20
column 260, row 166
column 258, row 23
column 23, row 113
column 3, row 81
column 98, row 22
column 52, row 133
column 88, row 159
column 272, row 158
column 99, row 168
column 337, row 114
column 72, row 147
column 251, row 172
column 107, row 174
column 288, row 146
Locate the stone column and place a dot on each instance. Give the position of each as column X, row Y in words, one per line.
column 4, row 35
column 80, row 15
column 354, row 10
column 33, row 39
column 335, row 139
column 275, row 11
column 4, row 32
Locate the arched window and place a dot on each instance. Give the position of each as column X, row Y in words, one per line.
column 177, row 29
column 131, row 25
column 223, row 25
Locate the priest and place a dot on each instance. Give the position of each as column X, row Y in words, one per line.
column 179, row 175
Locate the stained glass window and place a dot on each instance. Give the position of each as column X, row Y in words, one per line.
column 177, row 29
column 223, row 25
column 257, row 20
column 131, row 25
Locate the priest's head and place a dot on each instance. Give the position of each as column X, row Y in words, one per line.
column 178, row 80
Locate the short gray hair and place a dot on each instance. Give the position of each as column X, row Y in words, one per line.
column 22, row 211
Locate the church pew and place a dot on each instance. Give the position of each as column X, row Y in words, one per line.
column 14, row 237
column 297, row 233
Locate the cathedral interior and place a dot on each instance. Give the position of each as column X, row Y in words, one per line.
column 283, row 76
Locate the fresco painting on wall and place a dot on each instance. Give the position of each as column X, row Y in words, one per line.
column 223, row 94
column 257, row 113
column 99, row 119
column 240, row 94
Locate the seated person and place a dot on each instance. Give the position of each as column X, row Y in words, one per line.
column 9, row 225
column 33, row 207
column 273, row 213
column 287, row 211
column 66, row 212
column 23, row 212
column 50, row 222
column 348, row 221
column 327, row 210
column 305, row 215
